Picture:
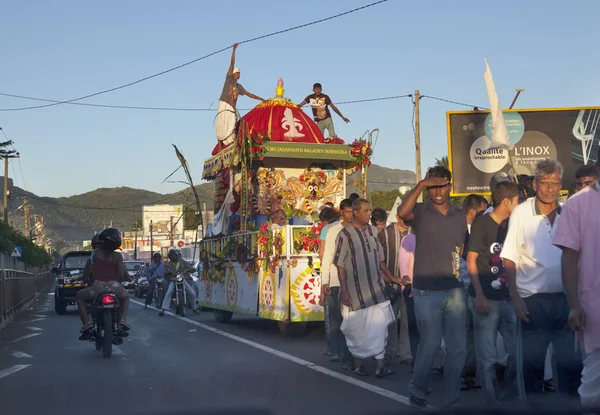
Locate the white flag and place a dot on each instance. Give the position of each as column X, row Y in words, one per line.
column 500, row 138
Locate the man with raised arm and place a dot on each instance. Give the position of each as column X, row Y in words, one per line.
column 438, row 288
column 226, row 114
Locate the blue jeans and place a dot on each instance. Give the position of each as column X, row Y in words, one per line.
column 440, row 314
column 548, row 323
column 501, row 318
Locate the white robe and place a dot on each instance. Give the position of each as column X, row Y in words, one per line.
column 225, row 126
column 366, row 330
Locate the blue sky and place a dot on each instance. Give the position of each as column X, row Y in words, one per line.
column 65, row 49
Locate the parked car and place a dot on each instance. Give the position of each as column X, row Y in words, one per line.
column 140, row 283
column 131, row 268
column 69, row 279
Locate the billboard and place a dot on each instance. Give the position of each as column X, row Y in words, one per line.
column 569, row 135
column 161, row 215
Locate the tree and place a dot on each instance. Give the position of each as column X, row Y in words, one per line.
column 383, row 198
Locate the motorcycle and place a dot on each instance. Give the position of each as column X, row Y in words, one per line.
column 106, row 330
column 180, row 295
column 159, row 292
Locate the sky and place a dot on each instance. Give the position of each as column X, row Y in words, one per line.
column 65, row 49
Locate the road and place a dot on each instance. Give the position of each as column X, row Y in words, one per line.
column 169, row 364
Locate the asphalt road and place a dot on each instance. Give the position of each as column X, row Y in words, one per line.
column 169, row 364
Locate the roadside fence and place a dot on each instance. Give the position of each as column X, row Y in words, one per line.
column 19, row 284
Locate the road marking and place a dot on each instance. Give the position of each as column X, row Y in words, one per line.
column 35, row 328
column 28, row 336
column 4, row 373
column 38, row 315
column 20, row 355
column 309, row 365
column 50, row 293
column 31, row 321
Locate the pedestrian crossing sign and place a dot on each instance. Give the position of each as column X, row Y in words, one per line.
column 17, row 253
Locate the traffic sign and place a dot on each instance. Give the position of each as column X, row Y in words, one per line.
column 17, row 253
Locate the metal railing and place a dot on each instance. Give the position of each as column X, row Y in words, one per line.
column 19, row 284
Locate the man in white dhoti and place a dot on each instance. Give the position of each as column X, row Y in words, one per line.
column 366, row 311
column 226, row 115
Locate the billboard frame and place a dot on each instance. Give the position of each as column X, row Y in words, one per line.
column 449, row 138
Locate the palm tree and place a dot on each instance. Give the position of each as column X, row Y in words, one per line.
column 442, row 162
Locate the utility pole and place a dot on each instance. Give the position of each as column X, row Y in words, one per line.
column 27, row 218
column 418, row 141
column 172, row 232
column 151, row 242
column 7, row 155
column 135, row 256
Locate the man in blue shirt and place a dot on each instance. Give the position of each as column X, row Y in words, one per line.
column 154, row 271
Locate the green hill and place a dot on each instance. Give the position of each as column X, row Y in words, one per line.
column 70, row 220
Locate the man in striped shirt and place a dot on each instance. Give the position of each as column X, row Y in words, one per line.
column 361, row 269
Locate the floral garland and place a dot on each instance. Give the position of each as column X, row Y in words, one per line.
column 333, row 140
column 216, row 271
column 256, row 148
column 265, row 244
column 362, row 151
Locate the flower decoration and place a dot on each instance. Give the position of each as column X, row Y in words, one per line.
column 361, row 150
column 308, row 239
column 333, row 140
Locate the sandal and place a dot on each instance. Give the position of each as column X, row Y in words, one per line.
column 360, row 371
column 125, row 325
column 334, row 358
column 87, row 327
column 384, row 372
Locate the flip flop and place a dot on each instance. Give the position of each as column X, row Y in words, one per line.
column 384, row 372
column 360, row 371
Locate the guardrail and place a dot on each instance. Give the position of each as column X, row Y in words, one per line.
column 19, row 284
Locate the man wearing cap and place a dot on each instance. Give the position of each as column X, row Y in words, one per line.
column 226, row 114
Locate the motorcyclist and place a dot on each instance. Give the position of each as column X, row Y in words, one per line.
column 153, row 272
column 175, row 266
column 106, row 269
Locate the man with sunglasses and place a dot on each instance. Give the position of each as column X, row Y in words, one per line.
column 438, row 288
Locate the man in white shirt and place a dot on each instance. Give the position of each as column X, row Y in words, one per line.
column 533, row 270
column 330, row 284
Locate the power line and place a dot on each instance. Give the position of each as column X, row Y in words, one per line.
column 148, row 108
column 454, row 102
column 120, row 208
column 198, row 59
column 22, row 175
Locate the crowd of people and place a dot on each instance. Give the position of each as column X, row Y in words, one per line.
column 501, row 292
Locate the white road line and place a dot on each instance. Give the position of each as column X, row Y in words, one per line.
column 27, row 336
column 4, row 373
column 20, row 355
column 39, row 315
column 35, row 328
column 31, row 321
column 309, row 365
column 51, row 293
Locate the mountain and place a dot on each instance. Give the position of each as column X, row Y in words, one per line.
column 74, row 219
column 381, row 178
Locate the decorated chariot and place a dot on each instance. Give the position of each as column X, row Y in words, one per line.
column 279, row 162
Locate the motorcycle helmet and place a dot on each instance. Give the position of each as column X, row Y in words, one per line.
column 110, row 239
column 96, row 241
column 173, row 254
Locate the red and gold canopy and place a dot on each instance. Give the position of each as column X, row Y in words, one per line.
column 281, row 120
